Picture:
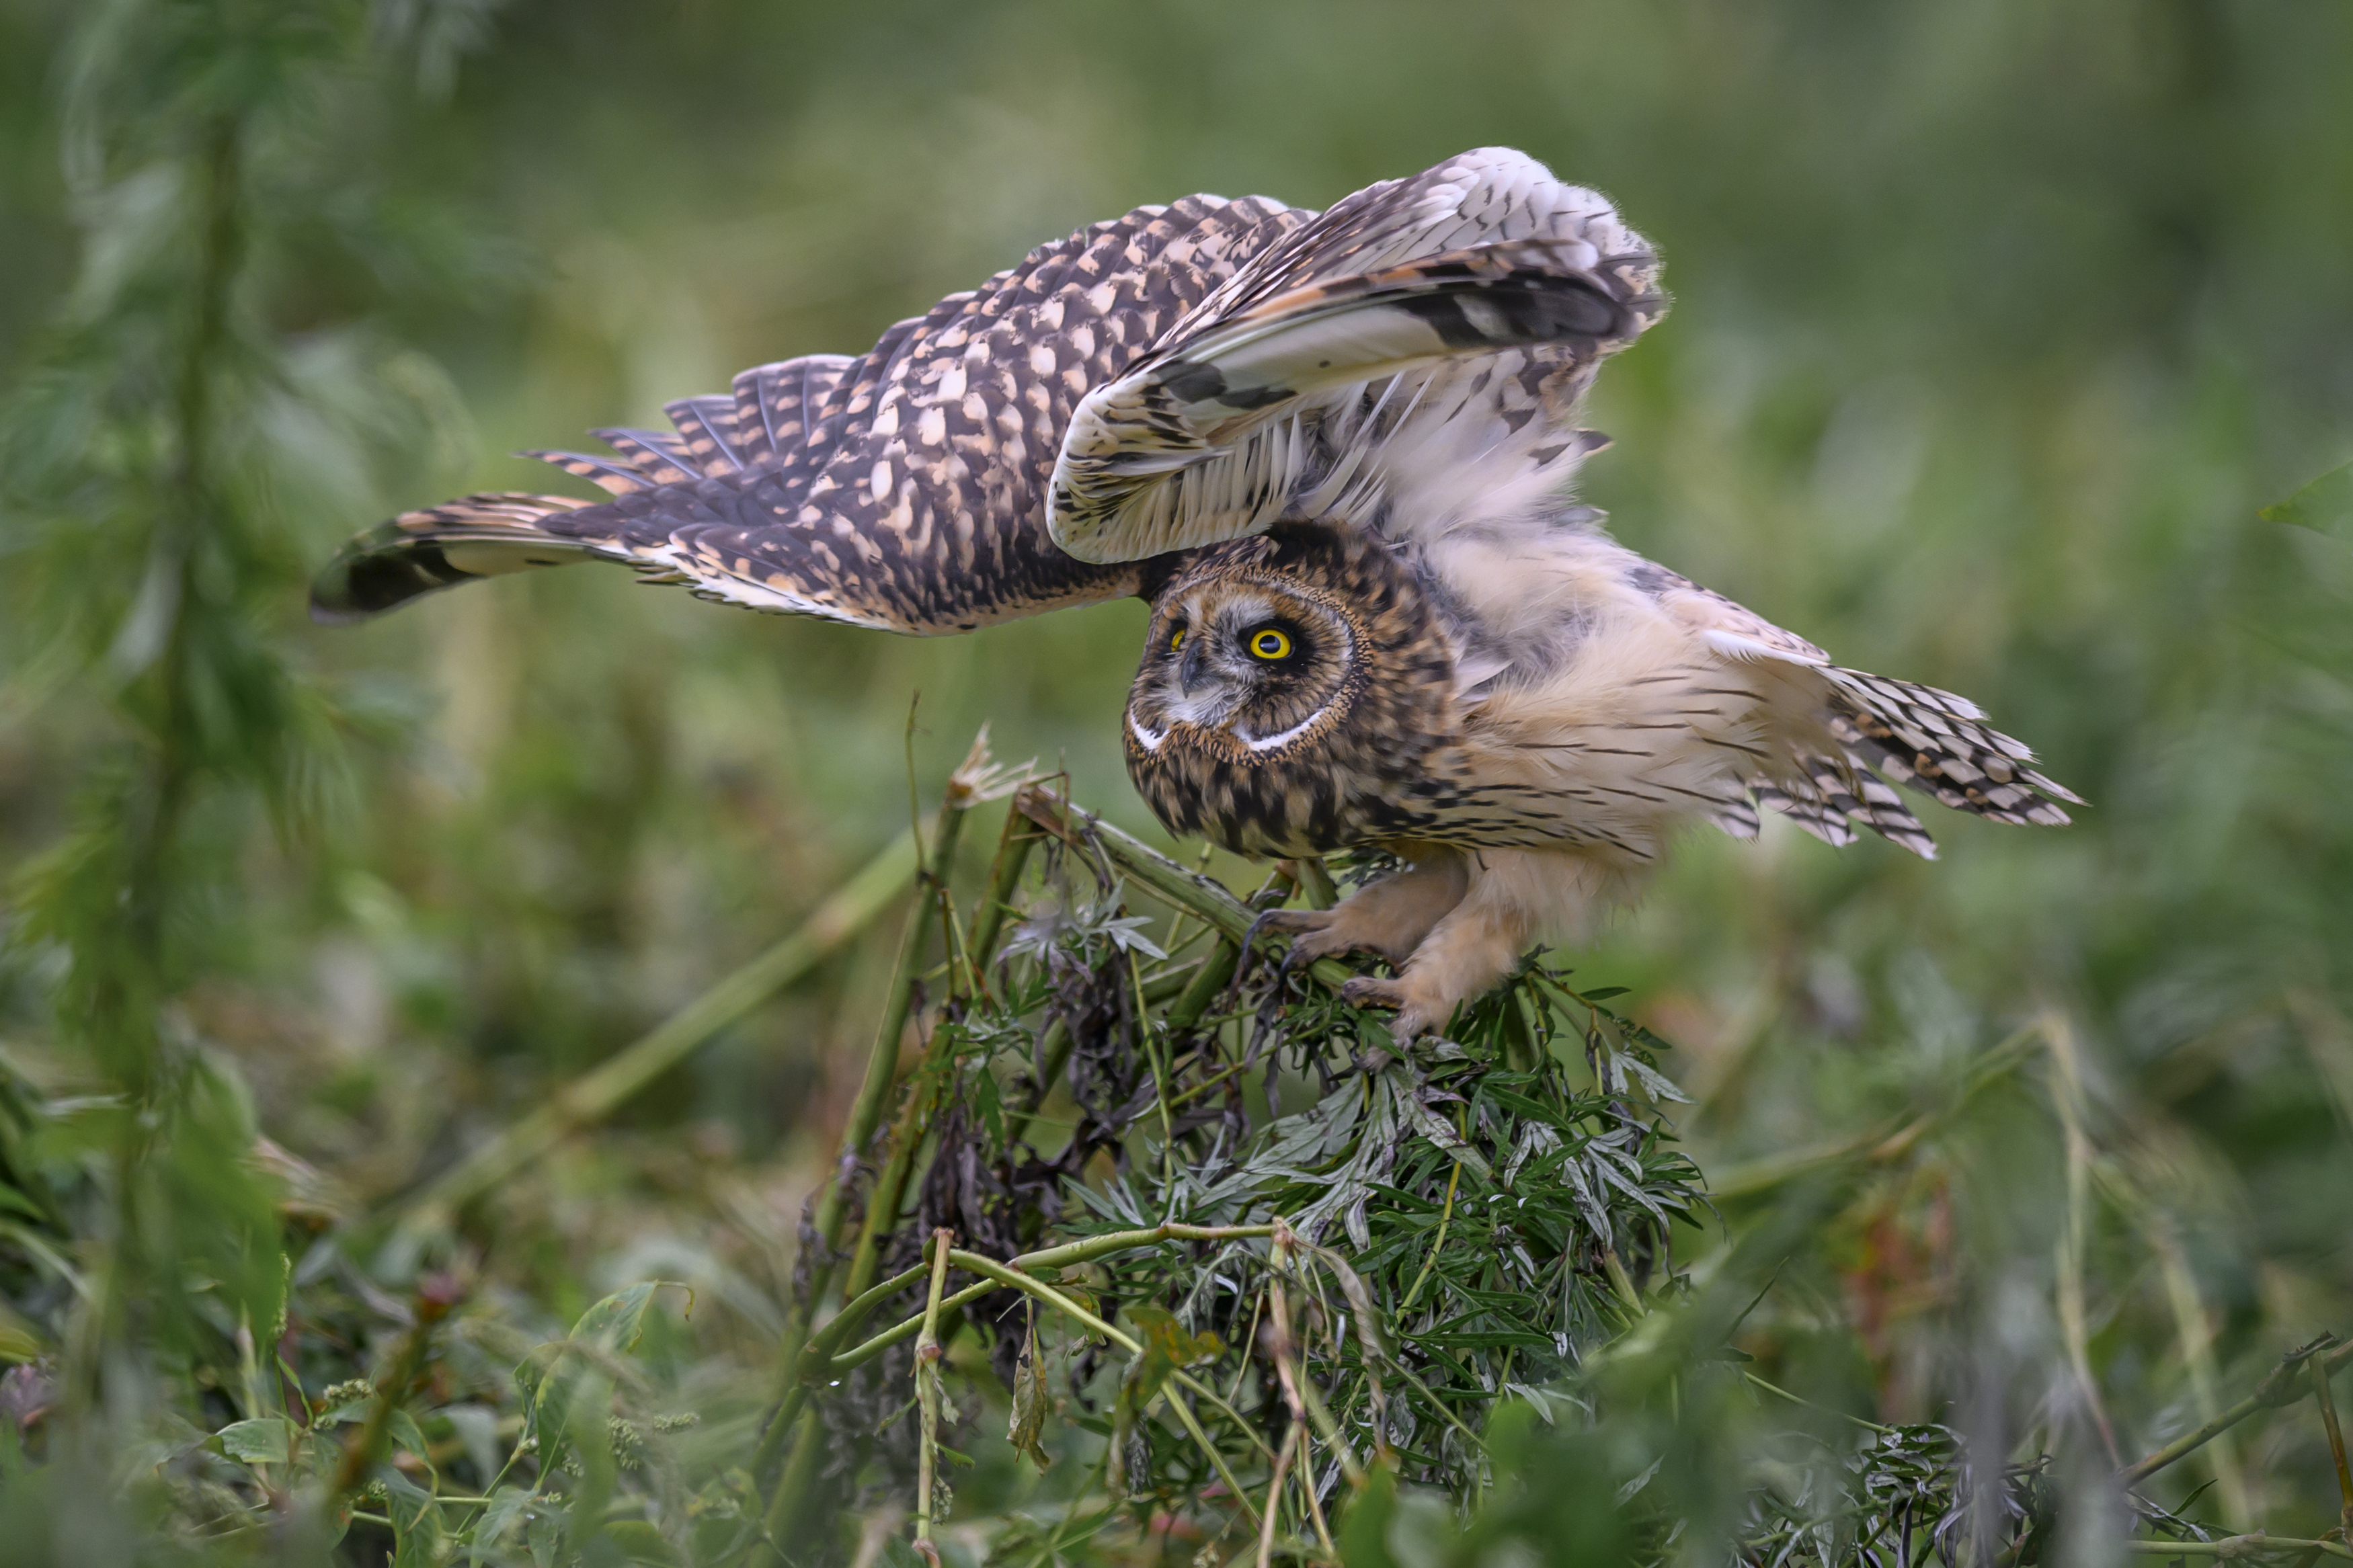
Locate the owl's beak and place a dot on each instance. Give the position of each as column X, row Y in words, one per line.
column 1188, row 667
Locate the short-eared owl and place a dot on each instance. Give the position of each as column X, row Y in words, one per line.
column 1334, row 452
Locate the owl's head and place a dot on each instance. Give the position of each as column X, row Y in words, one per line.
column 1291, row 684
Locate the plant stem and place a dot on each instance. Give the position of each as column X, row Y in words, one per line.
column 2327, row 1400
column 2257, row 1544
column 1622, row 1282
column 434, row 1299
column 927, row 1394
column 1445, row 1217
column 1192, row 1424
column 1052, row 1258
column 1164, row 878
column 1274, row 1494
column 1314, row 881
column 881, row 1065
column 1156, row 1050
column 605, row 1088
column 2284, row 1384
column 1013, row 845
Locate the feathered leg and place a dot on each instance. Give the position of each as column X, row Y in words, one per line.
column 1515, row 896
column 1389, row 917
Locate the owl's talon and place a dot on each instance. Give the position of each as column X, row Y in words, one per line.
column 1315, row 934
column 1416, row 1014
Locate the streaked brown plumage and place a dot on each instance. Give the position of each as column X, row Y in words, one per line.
column 1334, row 451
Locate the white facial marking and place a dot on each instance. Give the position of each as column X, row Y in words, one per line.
column 1149, row 739
column 1271, row 742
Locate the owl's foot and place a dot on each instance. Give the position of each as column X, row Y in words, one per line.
column 1460, row 957
column 1389, row 917
column 1315, row 934
column 1419, row 1008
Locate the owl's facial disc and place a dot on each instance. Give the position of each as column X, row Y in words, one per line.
column 1256, row 663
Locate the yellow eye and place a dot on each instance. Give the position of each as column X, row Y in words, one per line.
column 1177, row 640
column 1269, row 644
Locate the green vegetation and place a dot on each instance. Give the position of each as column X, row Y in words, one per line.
column 428, row 1053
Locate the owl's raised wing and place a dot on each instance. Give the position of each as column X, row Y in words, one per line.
column 1416, row 329
column 902, row 490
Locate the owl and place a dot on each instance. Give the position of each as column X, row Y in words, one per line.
column 1335, row 452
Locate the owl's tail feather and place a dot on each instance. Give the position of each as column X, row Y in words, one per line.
column 418, row 552
column 1831, row 797
column 1940, row 745
column 1926, row 740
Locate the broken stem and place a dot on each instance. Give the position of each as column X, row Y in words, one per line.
column 2328, row 1403
column 927, row 1395
column 1274, row 1494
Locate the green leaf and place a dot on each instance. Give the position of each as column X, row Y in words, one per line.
column 2324, row 506
column 990, row 1103
column 416, row 1525
column 507, row 1506
column 20, row 1338
column 406, row 1435
column 616, row 1322
column 641, row 1542
column 265, row 1440
column 568, row 1384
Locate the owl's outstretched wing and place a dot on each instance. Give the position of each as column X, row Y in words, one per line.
column 903, row 489
column 1417, row 330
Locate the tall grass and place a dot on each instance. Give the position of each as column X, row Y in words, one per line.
column 378, row 1043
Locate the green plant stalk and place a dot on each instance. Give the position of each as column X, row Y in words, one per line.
column 1013, row 845
column 1068, row 1256
column 882, row 1063
column 1156, row 1050
column 866, row 1113
column 1217, row 970
column 1274, row 1493
column 366, row 1446
column 906, row 1142
column 1445, row 1217
column 1759, row 1177
column 1192, row 1424
column 1162, row 877
column 2327, row 1399
column 122, row 1013
column 1622, row 1282
column 1314, row 881
column 927, row 1394
column 612, row 1083
column 975, row 1264
column 1291, row 1370
column 2284, row 1384
column 2257, row 1545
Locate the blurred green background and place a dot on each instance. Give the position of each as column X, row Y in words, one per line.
column 1994, row 326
